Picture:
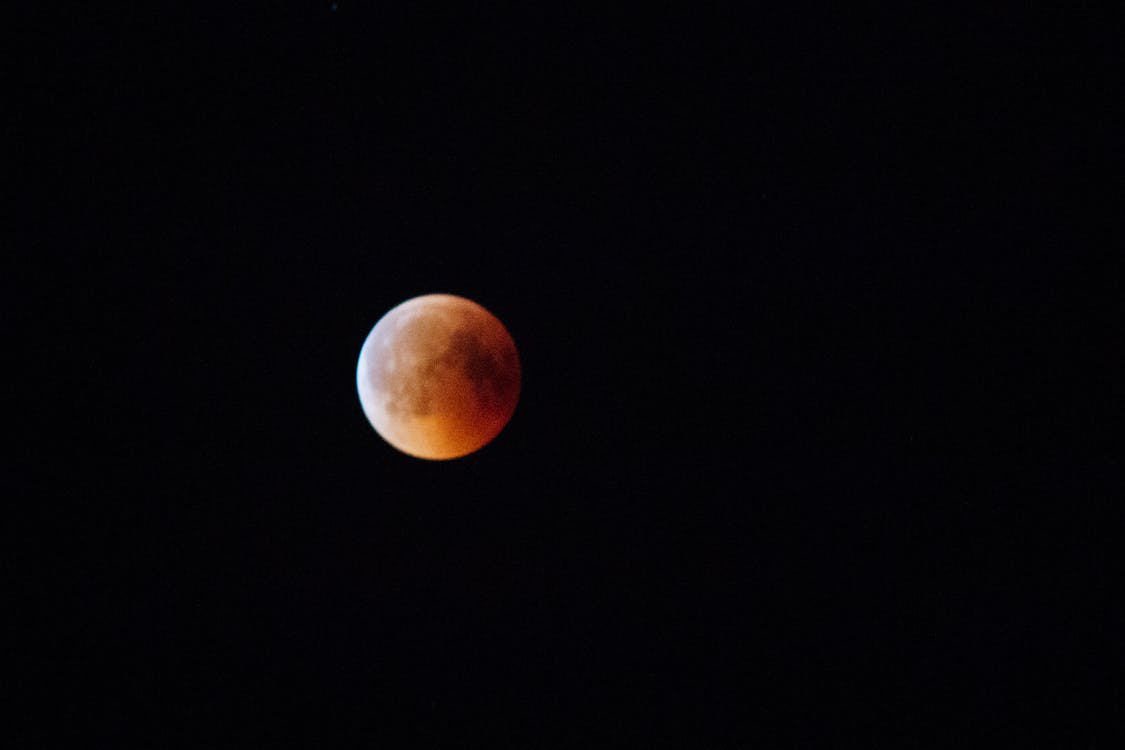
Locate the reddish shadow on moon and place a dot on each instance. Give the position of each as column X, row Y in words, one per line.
column 438, row 376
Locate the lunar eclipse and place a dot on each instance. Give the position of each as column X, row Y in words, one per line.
column 438, row 377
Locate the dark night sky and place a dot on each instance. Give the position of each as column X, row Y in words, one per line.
column 789, row 293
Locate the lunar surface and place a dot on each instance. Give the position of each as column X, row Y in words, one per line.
column 438, row 376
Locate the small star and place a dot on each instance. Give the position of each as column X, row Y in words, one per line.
column 333, row 7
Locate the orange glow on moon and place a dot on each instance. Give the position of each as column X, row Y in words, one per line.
column 438, row 376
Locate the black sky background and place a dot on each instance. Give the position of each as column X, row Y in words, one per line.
column 789, row 289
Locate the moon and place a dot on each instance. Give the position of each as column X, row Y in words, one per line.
column 438, row 377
